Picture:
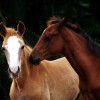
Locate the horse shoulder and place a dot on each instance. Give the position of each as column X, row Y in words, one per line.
column 61, row 76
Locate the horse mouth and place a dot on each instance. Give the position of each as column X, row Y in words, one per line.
column 35, row 61
column 14, row 75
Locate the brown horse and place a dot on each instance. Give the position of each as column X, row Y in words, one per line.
column 81, row 51
column 51, row 80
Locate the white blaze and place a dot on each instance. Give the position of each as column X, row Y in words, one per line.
column 13, row 48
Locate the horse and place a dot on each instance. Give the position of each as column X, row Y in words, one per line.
column 63, row 37
column 50, row 80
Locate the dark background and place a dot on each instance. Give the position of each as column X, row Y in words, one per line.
column 35, row 13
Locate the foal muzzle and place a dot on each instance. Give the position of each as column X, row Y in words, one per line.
column 14, row 75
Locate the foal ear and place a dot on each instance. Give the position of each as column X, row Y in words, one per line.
column 21, row 28
column 2, row 30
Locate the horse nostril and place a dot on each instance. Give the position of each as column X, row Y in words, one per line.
column 18, row 71
column 35, row 60
column 14, row 74
column 9, row 70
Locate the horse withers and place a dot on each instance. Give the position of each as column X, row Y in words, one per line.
column 63, row 37
column 50, row 80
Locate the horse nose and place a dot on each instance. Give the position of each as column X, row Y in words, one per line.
column 35, row 60
column 14, row 74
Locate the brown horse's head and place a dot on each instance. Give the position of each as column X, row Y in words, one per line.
column 13, row 46
column 50, row 42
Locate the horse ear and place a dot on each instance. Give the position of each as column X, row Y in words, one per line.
column 2, row 30
column 21, row 28
column 64, row 20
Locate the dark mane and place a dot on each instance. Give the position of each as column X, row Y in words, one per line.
column 93, row 45
column 53, row 20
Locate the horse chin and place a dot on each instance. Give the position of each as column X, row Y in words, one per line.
column 14, row 76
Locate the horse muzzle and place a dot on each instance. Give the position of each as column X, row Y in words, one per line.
column 14, row 75
column 34, row 60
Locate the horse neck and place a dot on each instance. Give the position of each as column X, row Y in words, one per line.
column 25, row 70
column 77, row 52
column 26, row 66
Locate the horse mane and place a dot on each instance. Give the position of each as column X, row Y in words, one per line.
column 53, row 20
column 28, row 48
column 93, row 45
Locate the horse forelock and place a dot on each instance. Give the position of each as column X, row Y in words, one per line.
column 53, row 20
column 10, row 32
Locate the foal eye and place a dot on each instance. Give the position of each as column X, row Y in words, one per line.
column 22, row 47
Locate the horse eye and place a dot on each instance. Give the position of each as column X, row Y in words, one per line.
column 47, row 38
column 22, row 47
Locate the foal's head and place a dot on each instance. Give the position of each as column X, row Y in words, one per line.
column 13, row 46
column 50, row 41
